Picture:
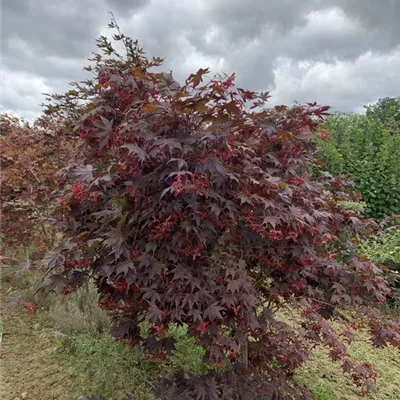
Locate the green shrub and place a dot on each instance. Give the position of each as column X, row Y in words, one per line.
column 186, row 354
column 384, row 250
column 358, row 208
column 367, row 150
column 104, row 367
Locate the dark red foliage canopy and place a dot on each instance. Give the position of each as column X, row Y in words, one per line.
column 31, row 155
column 195, row 206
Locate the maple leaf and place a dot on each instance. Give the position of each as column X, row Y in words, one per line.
column 196, row 78
column 232, row 108
column 234, row 286
column 53, row 258
column 104, row 129
column 82, row 173
column 181, row 162
column 135, row 149
column 58, row 283
column 115, row 241
column 213, row 311
column 170, row 143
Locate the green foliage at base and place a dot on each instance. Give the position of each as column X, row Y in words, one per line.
column 105, row 367
column 187, row 354
column 102, row 366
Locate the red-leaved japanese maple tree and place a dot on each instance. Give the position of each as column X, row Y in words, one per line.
column 195, row 206
column 31, row 156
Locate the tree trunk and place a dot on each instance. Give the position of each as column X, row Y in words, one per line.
column 244, row 352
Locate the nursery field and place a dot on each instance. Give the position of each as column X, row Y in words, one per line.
column 186, row 241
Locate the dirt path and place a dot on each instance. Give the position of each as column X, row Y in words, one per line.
column 29, row 367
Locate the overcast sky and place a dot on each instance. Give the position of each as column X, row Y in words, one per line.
column 344, row 53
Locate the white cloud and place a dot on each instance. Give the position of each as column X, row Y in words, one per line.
column 345, row 85
column 22, row 93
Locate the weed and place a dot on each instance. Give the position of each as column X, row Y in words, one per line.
column 77, row 313
column 103, row 366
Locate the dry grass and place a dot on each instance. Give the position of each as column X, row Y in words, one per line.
column 75, row 313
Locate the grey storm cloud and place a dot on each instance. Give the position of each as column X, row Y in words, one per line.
column 345, row 53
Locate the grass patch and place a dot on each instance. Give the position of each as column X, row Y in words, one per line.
column 327, row 381
column 104, row 367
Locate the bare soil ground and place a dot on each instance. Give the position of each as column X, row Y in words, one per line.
column 29, row 368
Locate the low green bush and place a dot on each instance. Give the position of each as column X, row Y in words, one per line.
column 383, row 250
column 187, row 354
